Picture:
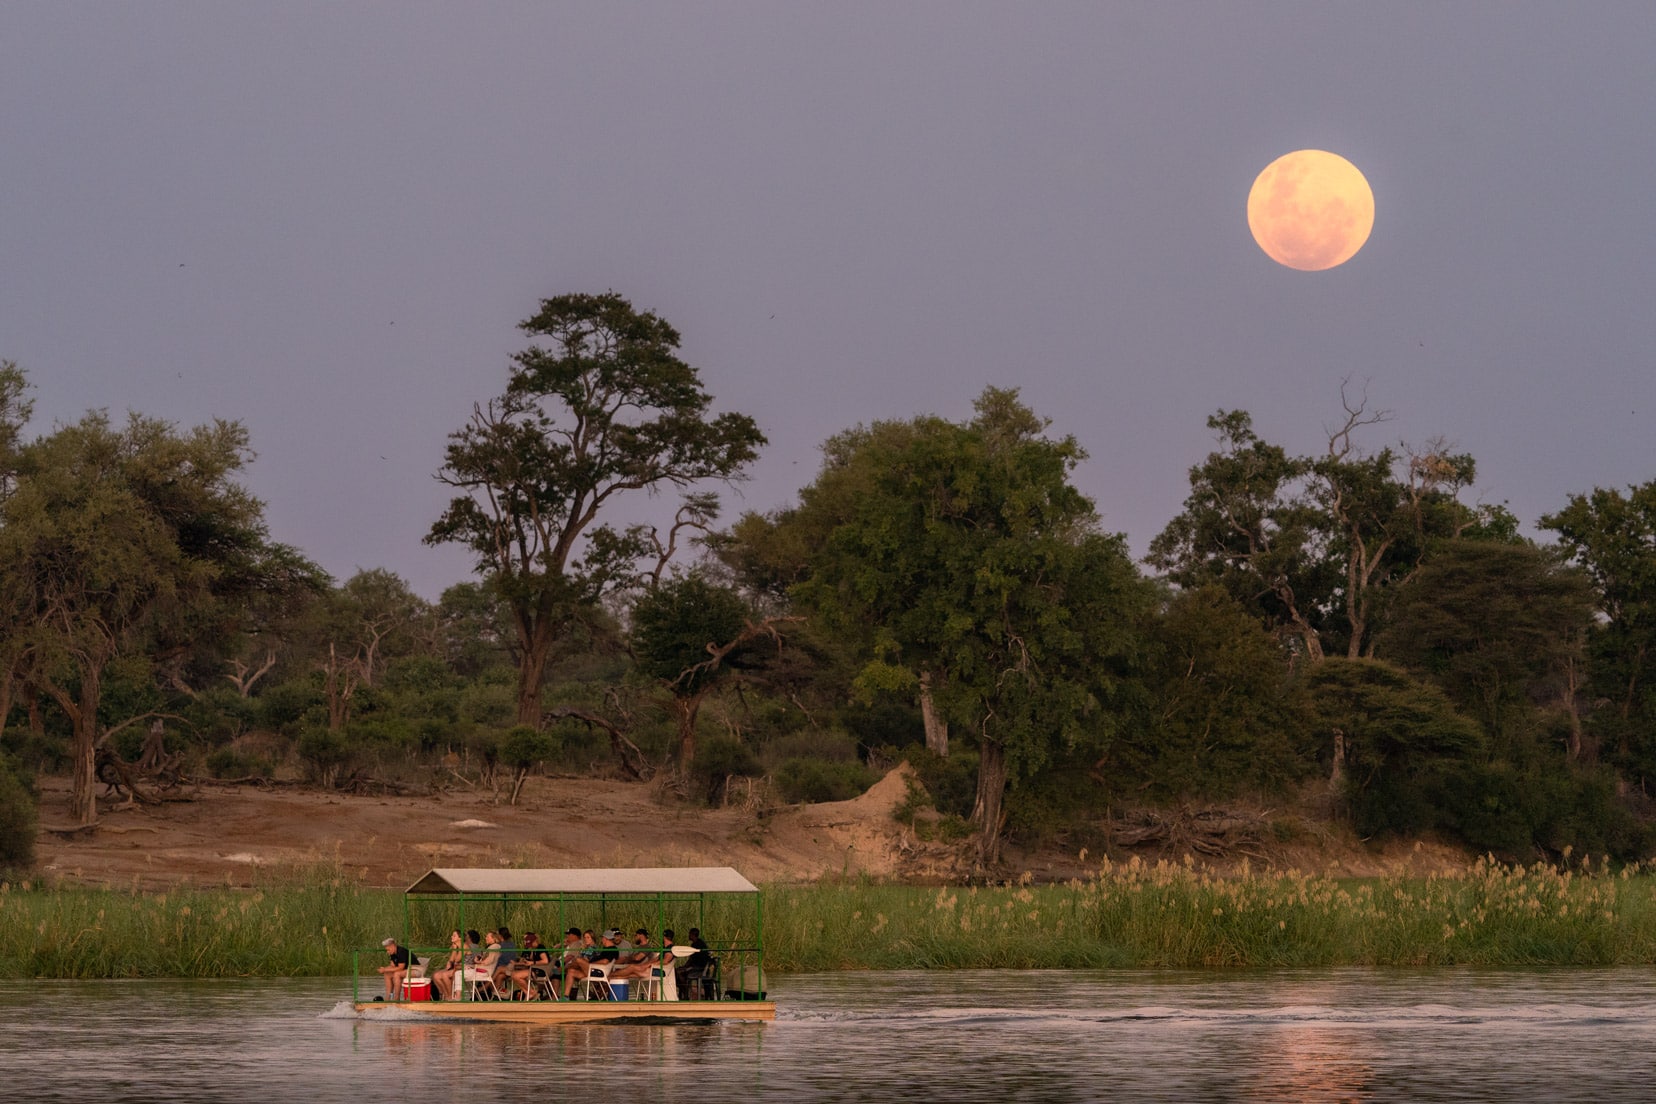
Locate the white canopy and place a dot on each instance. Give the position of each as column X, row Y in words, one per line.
column 485, row 882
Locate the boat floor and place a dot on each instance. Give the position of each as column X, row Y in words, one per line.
column 581, row 1012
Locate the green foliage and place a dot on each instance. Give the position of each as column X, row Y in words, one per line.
column 1497, row 627
column 812, row 780
column 608, row 408
column 230, row 762
column 1402, row 738
column 950, row 784
column 323, row 751
column 47, row 752
column 718, row 760
column 1612, row 536
column 18, row 822
column 1222, row 716
column 964, row 554
column 673, row 625
column 117, row 543
column 523, row 748
column 283, row 706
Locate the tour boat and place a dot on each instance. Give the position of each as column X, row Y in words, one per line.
column 727, row 982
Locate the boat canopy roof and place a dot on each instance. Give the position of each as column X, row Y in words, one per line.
column 486, row 882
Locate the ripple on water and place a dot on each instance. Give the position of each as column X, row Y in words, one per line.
column 1356, row 1035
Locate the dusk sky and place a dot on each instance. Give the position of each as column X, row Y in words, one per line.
column 326, row 220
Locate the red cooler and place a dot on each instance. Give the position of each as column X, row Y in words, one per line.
column 417, row 989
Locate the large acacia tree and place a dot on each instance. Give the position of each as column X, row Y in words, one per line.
column 115, row 538
column 606, row 407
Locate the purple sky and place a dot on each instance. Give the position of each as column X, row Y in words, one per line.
column 326, row 220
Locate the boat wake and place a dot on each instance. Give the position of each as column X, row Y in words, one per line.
column 1402, row 1017
column 390, row 1013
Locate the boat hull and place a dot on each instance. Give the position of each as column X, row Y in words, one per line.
column 580, row 1012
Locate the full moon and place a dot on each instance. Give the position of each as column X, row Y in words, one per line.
column 1310, row 210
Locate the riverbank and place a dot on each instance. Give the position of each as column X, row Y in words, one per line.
column 1132, row 915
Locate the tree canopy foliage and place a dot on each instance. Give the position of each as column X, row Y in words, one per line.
column 607, row 407
column 1331, row 628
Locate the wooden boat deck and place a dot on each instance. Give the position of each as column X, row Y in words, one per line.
column 582, row 1012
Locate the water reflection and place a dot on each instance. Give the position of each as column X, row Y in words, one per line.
column 1366, row 1036
column 1305, row 1062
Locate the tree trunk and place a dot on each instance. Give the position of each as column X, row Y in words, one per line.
column 31, row 698
column 83, row 797
column 1336, row 776
column 8, row 686
column 685, row 709
column 531, row 669
column 937, row 729
column 987, row 812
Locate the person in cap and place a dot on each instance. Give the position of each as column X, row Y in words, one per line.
column 395, row 970
column 580, row 968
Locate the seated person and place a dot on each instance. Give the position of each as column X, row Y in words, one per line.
column 508, row 955
column 481, row 967
column 443, row 977
column 576, row 970
column 635, row 961
column 522, row 971
column 396, row 970
column 700, row 968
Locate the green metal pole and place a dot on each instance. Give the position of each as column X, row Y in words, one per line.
column 759, row 938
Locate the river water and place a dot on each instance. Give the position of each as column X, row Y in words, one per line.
column 1346, row 1035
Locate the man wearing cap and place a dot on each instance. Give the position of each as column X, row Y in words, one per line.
column 579, row 968
column 396, row 970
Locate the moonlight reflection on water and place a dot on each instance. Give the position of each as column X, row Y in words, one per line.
column 1349, row 1035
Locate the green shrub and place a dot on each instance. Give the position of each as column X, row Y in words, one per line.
column 813, row 780
column 230, row 762
column 18, row 822
column 46, row 751
column 717, row 760
column 324, row 751
column 951, row 782
column 524, row 746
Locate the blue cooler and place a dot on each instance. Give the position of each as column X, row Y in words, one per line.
column 618, row 989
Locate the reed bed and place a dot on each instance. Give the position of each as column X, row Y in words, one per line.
column 1123, row 915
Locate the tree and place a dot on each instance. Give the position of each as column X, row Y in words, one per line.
column 1392, row 736
column 772, row 553
column 1250, row 526
column 679, row 629
column 1499, row 627
column 1612, row 536
column 1221, row 715
column 609, row 408
column 15, row 410
column 522, row 749
column 1315, row 541
column 968, row 553
column 110, row 537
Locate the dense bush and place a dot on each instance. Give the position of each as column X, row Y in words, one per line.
column 46, row 751
column 232, row 762
column 18, row 822
column 719, row 759
column 951, row 782
column 812, row 780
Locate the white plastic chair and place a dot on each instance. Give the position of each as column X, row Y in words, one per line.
column 651, row 987
column 481, row 984
column 597, row 981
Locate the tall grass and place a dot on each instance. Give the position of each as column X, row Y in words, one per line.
column 1124, row 915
